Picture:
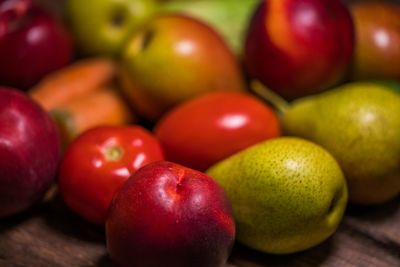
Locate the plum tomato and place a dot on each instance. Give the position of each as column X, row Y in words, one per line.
column 209, row 128
column 98, row 162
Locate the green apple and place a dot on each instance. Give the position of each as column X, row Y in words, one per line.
column 229, row 17
column 172, row 59
column 100, row 27
column 287, row 194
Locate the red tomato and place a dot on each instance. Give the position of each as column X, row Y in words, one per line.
column 211, row 127
column 98, row 162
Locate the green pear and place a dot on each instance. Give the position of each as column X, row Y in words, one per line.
column 359, row 124
column 229, row 18
column 287, row 194
column 392, row 84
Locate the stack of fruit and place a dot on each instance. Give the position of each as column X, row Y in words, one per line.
column 185, row 126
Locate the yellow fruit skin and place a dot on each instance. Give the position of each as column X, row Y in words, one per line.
column 359, row 124
column 287, row 194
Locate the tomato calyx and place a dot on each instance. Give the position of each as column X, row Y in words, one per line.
column 113, row 153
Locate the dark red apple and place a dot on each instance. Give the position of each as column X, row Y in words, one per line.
column 170, row 215
column 29, row 151
column 299, row 47
column 32, row 43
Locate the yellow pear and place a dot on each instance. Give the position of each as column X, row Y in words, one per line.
column 287, row 194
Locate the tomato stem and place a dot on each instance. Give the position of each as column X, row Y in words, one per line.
column 113, row 153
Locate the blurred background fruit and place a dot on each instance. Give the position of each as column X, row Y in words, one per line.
column 83, row 95
column 32, row 43
column 299, row 47
column 359, row 124
column 391, row 84
column 100, row 27
column 377, row 26
column 229, row 17
column 78, row 79
column 172, row 59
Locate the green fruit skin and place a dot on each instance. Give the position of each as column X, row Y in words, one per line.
column 287, row 194
column 101, row 27
column 391, row 84
column 172, row 59
column 359, row 124
column 229, row 17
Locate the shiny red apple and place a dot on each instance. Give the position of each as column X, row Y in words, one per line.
column 169, row 215
column 299, row 47
column 29, row 151
column 377, row 50
column 32, row 43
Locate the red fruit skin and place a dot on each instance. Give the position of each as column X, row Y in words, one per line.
column 181, row 59
column 29, row 152
column 209, row 128
column 32, row 45
column 170, row 215
column 299, row 47
column 91, row 172
column 377, row 50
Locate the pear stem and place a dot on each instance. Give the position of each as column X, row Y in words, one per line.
column 278, row 103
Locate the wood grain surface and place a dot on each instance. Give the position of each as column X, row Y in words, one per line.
column 49, row 235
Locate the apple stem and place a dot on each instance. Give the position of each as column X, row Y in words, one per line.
column 277, row 102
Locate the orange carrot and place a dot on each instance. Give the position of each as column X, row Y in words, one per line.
column 102, row 107
column 75, row 80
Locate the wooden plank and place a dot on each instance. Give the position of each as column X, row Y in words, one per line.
column 49, row 235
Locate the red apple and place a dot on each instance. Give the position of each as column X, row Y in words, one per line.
column 211, row 127
column 29, row 151
column 175, row 58
column 32, row 43
column 299, row 47
column 170, row 215
column 377, row 50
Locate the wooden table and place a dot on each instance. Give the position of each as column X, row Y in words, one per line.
column 49, row 235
